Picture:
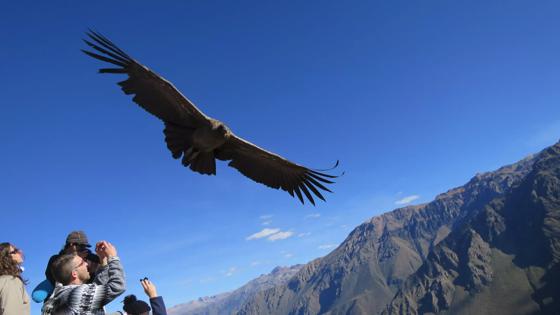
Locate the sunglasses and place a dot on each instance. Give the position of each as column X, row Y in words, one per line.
column 15, row 251
column 81, row 247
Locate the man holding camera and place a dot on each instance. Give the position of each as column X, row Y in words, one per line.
column 73, row 295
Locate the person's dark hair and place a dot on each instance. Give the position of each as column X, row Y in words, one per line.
column 133, row 306
column 8, row 267
column 62, row 268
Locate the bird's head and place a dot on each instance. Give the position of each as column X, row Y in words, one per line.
column 221, row 128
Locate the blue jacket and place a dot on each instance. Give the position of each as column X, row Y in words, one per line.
column 158, row 307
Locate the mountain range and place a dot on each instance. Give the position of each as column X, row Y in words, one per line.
column 491, row 246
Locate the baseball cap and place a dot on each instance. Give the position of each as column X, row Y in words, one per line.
column 77, row 237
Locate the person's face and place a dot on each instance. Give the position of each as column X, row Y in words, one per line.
column 92, row 266
column 81, row 269
column 17, row 254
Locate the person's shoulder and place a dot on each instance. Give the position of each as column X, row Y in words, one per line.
column 7, row 278
column 55, row 256
column 51, row 260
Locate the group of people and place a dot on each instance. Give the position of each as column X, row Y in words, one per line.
column 78, row 281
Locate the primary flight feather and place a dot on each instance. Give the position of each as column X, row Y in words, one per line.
column 198, row 139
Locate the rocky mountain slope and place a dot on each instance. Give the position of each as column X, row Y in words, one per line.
column 229, row 302
column 502, row 259
column 492, row 242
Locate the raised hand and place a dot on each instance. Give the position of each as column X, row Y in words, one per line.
column 105, row 249
column 149, row 288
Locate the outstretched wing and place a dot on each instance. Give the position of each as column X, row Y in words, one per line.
column 152, row 92
column 273, row 170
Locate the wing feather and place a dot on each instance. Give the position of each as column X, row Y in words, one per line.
column 316, row 183
column 273, row 170
column 151, row 91
column 317, row 177
column 306, row 192
column 314, row 190
column 106, row 59
column 105, row 51
column 298, row 193
column 106, row 43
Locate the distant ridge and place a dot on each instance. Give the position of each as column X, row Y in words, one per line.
column 229, row 302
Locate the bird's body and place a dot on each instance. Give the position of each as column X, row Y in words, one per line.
column 211, row 138
column 199, row 139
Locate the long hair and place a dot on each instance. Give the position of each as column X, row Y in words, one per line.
column 8, row 267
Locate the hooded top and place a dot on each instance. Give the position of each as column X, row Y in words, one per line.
column 88, row 299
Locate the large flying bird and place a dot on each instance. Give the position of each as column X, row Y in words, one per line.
column 199, row 139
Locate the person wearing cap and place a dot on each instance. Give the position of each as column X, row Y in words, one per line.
column 132, row 306
column 74, row 295
column 76, row 243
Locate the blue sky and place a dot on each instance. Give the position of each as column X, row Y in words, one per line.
column 413, row 98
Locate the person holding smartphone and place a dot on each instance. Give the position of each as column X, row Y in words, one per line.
column 132, row 306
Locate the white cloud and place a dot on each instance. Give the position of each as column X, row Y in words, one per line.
column 230, row 272
column 266, row 222
column 304, row 234
column 280, row 236
column 327, row 246
column 313, row 216
column 264, row 233
column 406, row 200
column 271, row 235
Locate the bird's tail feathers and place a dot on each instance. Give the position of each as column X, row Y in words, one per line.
column 179, row 142
column 203, row 162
